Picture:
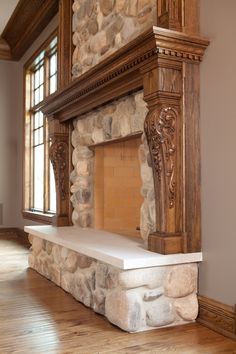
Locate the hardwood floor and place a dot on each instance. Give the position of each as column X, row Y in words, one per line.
column 37, row 317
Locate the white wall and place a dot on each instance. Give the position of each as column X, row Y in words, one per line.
column 218, row 139
column 20, row 143
column 8, row 141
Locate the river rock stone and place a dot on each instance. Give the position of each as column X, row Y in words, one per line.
column 83, row 168
column 56, row 253
column 81, row 291
column 124, row 309
column 67, row 282
column 150, row 277
column 98, row 42
column 181, row 280
column 154, row 294
column 84, row 220
column 106, row 6
column 160, row 313
column 71, row 263
column 99, row 297
column 37, row 245
column 187, row 307
column 92, row 27
column 84, row 261
column 131, row 8
column 83, row 195
column 49, row 246
column 101, row 274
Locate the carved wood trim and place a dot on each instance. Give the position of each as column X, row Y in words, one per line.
column 26, row 23
column 59, row 153
column 120, row 73
column 217, row 316
column 155, row 62
column 160, row 129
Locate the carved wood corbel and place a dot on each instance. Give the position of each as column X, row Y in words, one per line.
column 164, row 130
column 59, row 154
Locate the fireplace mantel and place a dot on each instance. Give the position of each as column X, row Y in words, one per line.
column 123, row 72
column 165, row 64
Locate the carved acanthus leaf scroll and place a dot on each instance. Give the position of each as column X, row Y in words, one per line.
column 160, row 128
column 58, row 155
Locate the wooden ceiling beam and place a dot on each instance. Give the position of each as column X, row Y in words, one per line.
column 26, row 23
column 5, row 52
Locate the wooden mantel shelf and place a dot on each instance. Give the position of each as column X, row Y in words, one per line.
column 164, row 63
column 122, row 72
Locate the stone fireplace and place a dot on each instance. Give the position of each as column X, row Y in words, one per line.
column 133, row 122
column 112, row 182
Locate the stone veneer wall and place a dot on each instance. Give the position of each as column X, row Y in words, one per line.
column 134, row 300
column 100, row 27
column 117, row 119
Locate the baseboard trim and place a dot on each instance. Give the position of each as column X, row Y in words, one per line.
column 8, row 230
column 217, row 316
column 15, row 231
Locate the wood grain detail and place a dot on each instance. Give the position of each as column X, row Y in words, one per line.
column 217, row 316
column 28, row 20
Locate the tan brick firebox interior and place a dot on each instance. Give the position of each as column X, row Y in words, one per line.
column 117, row 187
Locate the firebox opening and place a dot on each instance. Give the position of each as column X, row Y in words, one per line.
column 117, row 197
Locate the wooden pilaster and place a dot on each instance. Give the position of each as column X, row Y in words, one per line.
column 179, row 15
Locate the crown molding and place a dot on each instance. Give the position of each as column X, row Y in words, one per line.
column 122, row 72
column 26, row 23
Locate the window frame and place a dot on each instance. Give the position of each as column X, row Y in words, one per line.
column 28, row 212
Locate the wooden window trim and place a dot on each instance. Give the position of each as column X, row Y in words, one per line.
column 38, row 216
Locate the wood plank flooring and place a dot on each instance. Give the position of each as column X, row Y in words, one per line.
column 37, row 317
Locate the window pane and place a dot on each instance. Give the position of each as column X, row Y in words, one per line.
column 38, row 119
column 52, row 206
column 39, row 177
column 41, row 74
column 36, row 96
column 53, row 64
column 36, row 79
column 53, row 83
column 39, row 57
column 41, row 93
column 53, row 42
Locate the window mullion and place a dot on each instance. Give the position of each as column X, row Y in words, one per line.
column 46, row 168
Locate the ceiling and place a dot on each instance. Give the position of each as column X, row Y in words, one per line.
column 6, row 9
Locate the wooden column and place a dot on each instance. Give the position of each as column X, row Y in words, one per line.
column 59, row 155
column 179, row 15
column 65, row 42
column 165, row 134
column 59, row 133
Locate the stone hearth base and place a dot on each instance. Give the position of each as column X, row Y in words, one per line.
column 134, row 300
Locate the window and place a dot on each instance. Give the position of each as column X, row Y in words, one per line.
column 39, row 183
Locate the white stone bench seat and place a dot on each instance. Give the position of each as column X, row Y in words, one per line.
column 120, row 251
column 114, row 275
